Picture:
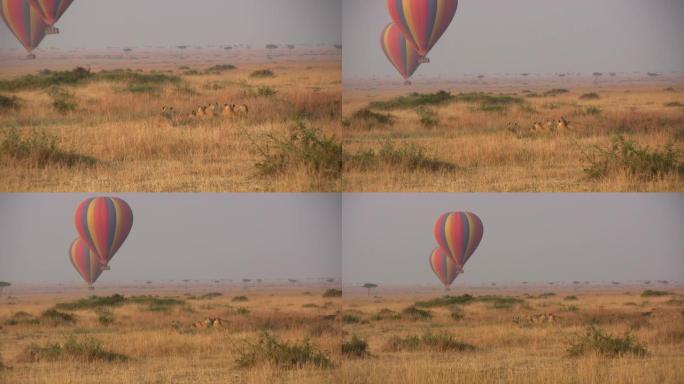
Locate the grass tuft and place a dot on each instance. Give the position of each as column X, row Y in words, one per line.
column 262, row 73
column 654, row 293
column 413, row 100
column 414, row 313
column 590, row 96
column 240, row 298
column 9, row 102
column 332, row 292
column 355, row 348
column 39, row 149
column 86, row 350
column 441, row 342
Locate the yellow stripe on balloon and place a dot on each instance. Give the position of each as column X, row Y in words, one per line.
column 438, row 21
column 447, row 231
column 91, row 226
column 408, row 16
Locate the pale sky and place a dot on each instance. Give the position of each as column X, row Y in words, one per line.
column 136, row 23
column 179, row 236
column 535, row 36
column 387, row 238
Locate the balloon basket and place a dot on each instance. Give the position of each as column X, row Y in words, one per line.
column 106, row 268
column 51, row 30
column 30, row 56
column 424, row 60
column 407, row 82
column 91, row 288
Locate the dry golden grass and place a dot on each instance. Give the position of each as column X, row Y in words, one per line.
column 489, row 157
column 136, row 149
column 526, row 353
column 163, row 346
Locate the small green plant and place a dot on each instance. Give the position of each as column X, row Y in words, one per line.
column 626, row 155
column 414, row 100
column 349, row 318
column 556, row 92
column 156, row 304
column 410, row 157
column 501, row 302
column 240, row 298
column 590, row 96
column 262, row 73
column 219, row 68
column 570, row 298
column 243, row 311
column 456, row 313
column 62, row 100
column 356, row 348
column 369, row 119
column 593, row 111
column 93, row 302
column 105, row 317
column 57, row 317
column 332, row 292
column 674, row 104
column 654, row 293
column 595, row 340
column 266, row 91
column 270, row 350
column 446, row 301
column 22, row 317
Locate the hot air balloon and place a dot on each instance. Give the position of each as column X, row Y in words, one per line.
column 50, row 11
column 459, row 233
column 443, row 266
column 399, row 52
column 423, row 22
column 104, row 224
column 24, row 22
column 85, row 261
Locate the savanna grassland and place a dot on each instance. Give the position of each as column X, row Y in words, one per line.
column 96, row 124
column 624, row 133
column 153, row 335
column 541, row 335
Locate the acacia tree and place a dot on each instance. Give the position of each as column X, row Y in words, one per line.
column 370, row 286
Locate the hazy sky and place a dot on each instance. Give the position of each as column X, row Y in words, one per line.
column 190, row 236
column 536, row 36
column 103, row 23
column 527, row 237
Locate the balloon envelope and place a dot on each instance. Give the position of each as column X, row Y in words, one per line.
column 104, row 223
column 443, row 266
column 24, row 22
column 85, row 261
column 423, row 22
column 399, row 52
column 459, row 233
column 50, row 10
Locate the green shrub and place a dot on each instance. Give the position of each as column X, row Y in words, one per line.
column 332, row 292
column 93, row 302
column 62, row 100
column 456, row 313
column 369, row 119
column 266, row 91
column 414, row 313
column 414, row 100
column 57, row 317
column 40, row 149
column 105, row 317
column 356, row 347
column 428, row 117
column 270, row 350
column 22, row 318
column 590, row 96
column 446, row 301
column 626, row 155
column 501, row 302
column 556, row 92
column 593, row 111
column 46, row 78
column 654, row 293
column 86, row 350
column 410, row 157
column 243, row 311
column 595, row 340
column 674, row 104
column 219, row 68
column 262, row 73
column 9, row 102
column 321, row 156
column 441, row 342
column 349, row 318
column 240, row 299
column 156, row 304
column 570, row 298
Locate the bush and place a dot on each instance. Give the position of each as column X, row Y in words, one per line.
column 86, row 350
column 674, row 104
column 356, row 347
column 22, row 317
column 428, row 117
column 46, row 78
column 221, row 68
column 446, row 301
column 414, row 100
column 596, row 341
column 243, row 311
column 270, row 350
column 369, row 119
column 590, row 96
column 156, row 304
column 266, row 91
column 556, row 92
column 62, row 101
column 410, row 157
column 39, row 149
column 626, row 155
column 105, row 317
column 442, row 342
column 321, row 156
column 654, row 293
column 570, row 298
column 240, row 298
column 593, row 111
column 9, row 102
column 501, row 302
column 262, row 73
column 57, row 317
column 490, row 103
column 414, row 313
column 93, row 302
column 332, row 292
column 349, row 318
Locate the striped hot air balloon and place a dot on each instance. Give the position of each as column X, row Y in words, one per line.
column 104, row 223
column 51, row 11
column 85, row 261
column 24, row 22
column 459, row 233
column 423, row 22
column 443, row 266
column 399, row 52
